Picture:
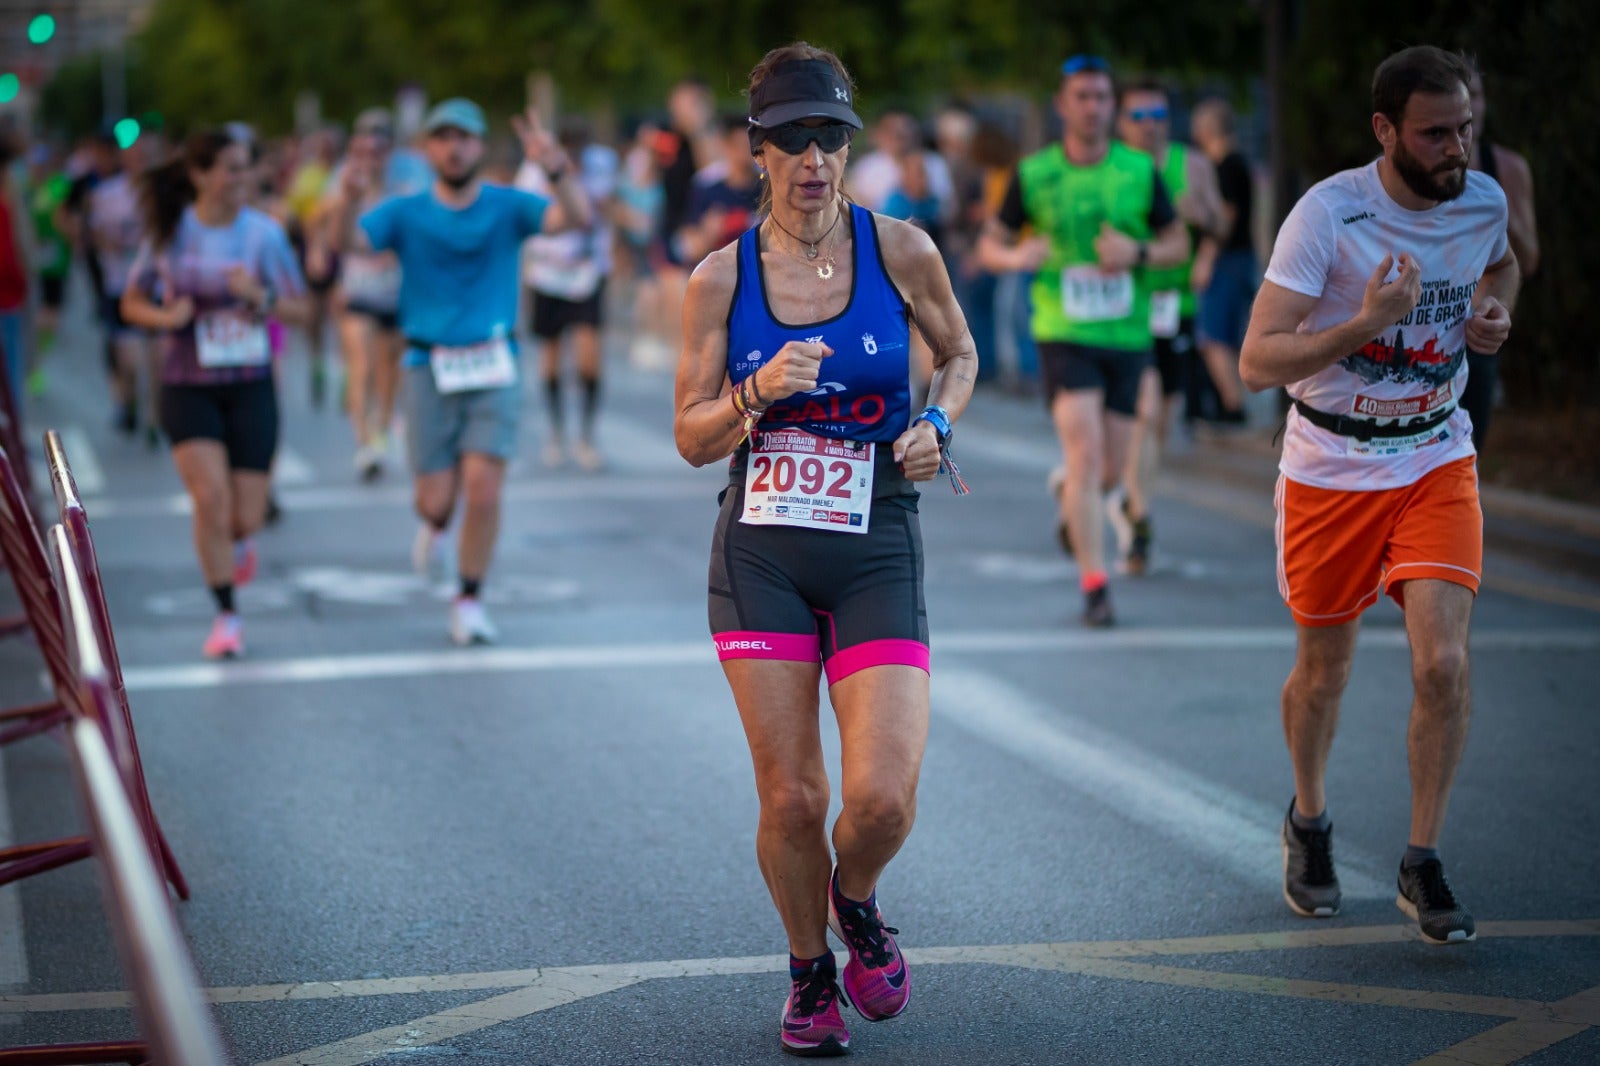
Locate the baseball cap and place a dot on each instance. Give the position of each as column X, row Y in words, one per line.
column 457, row 112
column 802, row 88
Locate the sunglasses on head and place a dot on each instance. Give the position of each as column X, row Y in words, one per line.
column 1148, row 114
column 792, row 138
column 1079, row 63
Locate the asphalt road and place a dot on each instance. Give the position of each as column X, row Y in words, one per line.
column 543, row 852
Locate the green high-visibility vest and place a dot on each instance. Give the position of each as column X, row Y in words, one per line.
column 1068, row 204
column 1175, row 176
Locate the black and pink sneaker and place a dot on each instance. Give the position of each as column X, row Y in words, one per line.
column 812, row 1025
column 876, row 979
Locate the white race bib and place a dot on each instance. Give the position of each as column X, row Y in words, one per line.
column 1166, row 313
column 798, row 479
column 231, row 339
column 473, row 367
column 371, row 279
column 1088, row 294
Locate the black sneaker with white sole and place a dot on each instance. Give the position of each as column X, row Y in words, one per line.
column 1425, row 896
column 1310, row 886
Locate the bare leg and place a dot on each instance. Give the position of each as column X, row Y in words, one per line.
column 250, row 489
column 389, row 348
column 779, row 707
column 203, row 466
column 1144, row 446
column 1311, row 707
column 435, row 498
column 481, row 479
column 1222, row 363
column 1438, row 614
column 883, row 731
column 356, row 341
column 1077, row 420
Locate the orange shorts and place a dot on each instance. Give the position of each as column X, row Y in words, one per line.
column 1337, row 550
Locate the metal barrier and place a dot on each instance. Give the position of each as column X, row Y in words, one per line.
column 171, row 1011
column 118, row 714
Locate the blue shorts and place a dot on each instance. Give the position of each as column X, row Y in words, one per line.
column 442, row 427
column 1225, row 305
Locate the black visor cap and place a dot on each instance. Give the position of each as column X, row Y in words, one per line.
column 802, row 88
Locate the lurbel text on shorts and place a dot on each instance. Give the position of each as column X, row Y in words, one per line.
column 743, row 645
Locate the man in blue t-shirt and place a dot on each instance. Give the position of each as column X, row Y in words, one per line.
column 458, row 246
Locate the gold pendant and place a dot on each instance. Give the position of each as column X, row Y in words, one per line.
column 826, row 270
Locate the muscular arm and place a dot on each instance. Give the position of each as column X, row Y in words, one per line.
column 918, row 270
column 706, row 427
column 1275, row 354
column 1521, row 228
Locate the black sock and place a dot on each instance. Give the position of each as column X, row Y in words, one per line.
column 552, row 399
column 1416, row 856
column 799, row 967
column 1319, row 824
column 591, row 404
column 223, row 594
column 470, row 586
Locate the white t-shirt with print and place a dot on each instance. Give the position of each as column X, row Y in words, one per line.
column 1328, row 248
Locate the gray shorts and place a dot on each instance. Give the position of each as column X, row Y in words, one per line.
column 440, row 428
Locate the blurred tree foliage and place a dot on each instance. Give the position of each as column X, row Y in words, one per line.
column 206, row 61
column 1543, row 87
column 247, row 59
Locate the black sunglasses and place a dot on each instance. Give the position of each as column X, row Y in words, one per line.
column 791, row 138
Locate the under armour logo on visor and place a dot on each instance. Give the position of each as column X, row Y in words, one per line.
column 840, row 94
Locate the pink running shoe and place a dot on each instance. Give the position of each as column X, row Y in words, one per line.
column 812, row 1024
column 876, row 979
column 227, row 638
column 244, row 563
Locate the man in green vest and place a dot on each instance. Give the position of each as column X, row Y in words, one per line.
column 1088, row 217
column 1144, row 121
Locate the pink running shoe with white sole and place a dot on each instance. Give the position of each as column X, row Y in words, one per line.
column 875, row 979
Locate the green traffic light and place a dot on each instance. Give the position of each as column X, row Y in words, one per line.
column 126, row 131
column 9, row 87
column 41, row 29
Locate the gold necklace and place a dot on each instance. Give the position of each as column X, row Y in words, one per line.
column 825, row 271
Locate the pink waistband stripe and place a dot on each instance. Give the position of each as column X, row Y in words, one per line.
column 860, row 657
column 746, row 644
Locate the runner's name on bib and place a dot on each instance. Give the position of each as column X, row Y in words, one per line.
column 1088, row 294
column 1387, row 447
column 231, row 339
column 1166, row 313
column 798, row 479
column 473, row 367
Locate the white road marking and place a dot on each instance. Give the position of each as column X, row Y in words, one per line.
column 534, row 991
column 13, row 949
column 700, row 653
column 289, row 468
column 86, row 470
column 1197, row 814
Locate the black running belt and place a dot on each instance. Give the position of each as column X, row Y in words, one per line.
column 1368, row 428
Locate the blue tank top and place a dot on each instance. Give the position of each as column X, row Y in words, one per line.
column 864, row 392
